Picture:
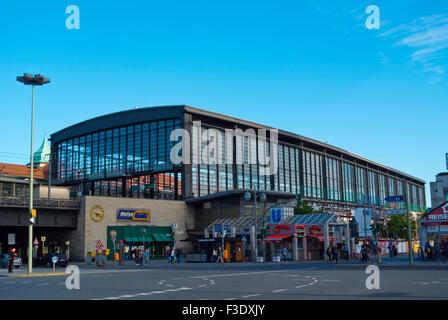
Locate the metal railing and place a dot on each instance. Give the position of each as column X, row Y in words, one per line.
column 16, row 202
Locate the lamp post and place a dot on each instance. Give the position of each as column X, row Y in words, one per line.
column 262, row 196
column 37, row 80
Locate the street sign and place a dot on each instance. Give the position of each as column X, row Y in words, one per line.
column 243, row 238
column 394, row 211
column 218, row 227
column 11, row 238
column 99, row 250
column 394, row 198
column 54, row 259
column 99, row 244
column 226, row 227
column 36, row 243
column 43, row 239
column 276, row 215
column 113, row 233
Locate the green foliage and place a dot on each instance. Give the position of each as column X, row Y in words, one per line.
column 398, row 225
column 304, row 208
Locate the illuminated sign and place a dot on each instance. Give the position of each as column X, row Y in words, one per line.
column 134, row 215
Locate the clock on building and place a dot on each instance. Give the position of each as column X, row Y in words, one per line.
column 97, row 213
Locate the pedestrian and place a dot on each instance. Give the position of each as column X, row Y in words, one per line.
column 173, row 255
column 214, row 255
column 284, row 253
column 147, row 256
column 11, row 260
column 181, row 255
column 328, row 253
column 168, row 254
column 220, row 256
column 334, row 254
column 136, row 256
column 177, row 254
column 140, row 257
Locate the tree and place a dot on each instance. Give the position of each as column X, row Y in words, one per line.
column 398, row 224
column 304, row 208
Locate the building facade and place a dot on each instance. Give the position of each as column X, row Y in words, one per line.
column 129, row 155
column 439, row 189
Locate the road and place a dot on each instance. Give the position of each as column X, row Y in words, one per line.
column 237, row 281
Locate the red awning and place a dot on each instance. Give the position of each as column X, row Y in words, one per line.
column 321, row 237
column 277, row 237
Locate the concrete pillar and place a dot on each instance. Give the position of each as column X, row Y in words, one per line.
column 295, row 248
column 272, row 243
column 305, row 246
column 253, row 242
column 347, row 240
column 326, row 240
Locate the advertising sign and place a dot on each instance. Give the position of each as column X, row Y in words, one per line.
column 133, row 215
column 361, row 215
column 395, row 198
column 438, row 216
column 11, row 238
column 394, row 211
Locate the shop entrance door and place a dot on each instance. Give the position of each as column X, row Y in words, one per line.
column 227, row 248
column 239, row 252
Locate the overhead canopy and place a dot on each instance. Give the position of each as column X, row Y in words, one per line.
column 161, row 237
column 277, row 237
column 313, row 219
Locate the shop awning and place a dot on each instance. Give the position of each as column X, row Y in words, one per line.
column 161, row 237
column 132, row 239
column 277, row 237
column 321, row 237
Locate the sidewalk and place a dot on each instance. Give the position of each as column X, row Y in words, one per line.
column 400, row 261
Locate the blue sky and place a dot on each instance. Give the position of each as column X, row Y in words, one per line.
column 309, row 67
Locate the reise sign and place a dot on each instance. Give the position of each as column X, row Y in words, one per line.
column 438, row 216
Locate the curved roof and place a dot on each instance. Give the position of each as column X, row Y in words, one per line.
column 137, row 115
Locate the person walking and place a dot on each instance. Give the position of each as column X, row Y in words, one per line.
column 177, row 254
column 140, row 257
column 147, row 256
column 173, row 255
column 220, row 256
column 328, row 253
column 334, row 254
column 284, row 253
column 214, row 255
column 168, row 254
column 11, row 260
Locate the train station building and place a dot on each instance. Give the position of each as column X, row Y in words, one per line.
column 122, row 172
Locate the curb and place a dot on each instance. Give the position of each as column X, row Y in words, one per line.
column 42, row 274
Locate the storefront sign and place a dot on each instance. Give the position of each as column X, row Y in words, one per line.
column 439, row 216
column 133, row 215
column 282, row 229
column 11, row 238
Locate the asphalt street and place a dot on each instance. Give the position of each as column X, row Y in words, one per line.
column 236, row 281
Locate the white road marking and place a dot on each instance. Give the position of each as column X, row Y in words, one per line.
column 332, row 280
column 301, row 286
column 230, row 299
column 144, row 294
column 238, row 274
column 202, row 285
column 251, row 295
column 280, row 290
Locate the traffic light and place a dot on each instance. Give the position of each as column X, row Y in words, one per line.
column 33, row 216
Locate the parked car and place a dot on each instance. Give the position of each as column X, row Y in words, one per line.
column 46, row 260
column 4, row 261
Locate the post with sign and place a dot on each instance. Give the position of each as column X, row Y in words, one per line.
column 113, row 237
column 54, row 259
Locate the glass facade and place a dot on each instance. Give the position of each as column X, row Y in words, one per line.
column 129, row 161
column 134, row 161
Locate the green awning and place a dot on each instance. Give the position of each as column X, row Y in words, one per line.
column 132, row 239
column 161, row 237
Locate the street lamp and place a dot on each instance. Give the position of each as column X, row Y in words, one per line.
column 37, row 80
column 262, row 197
